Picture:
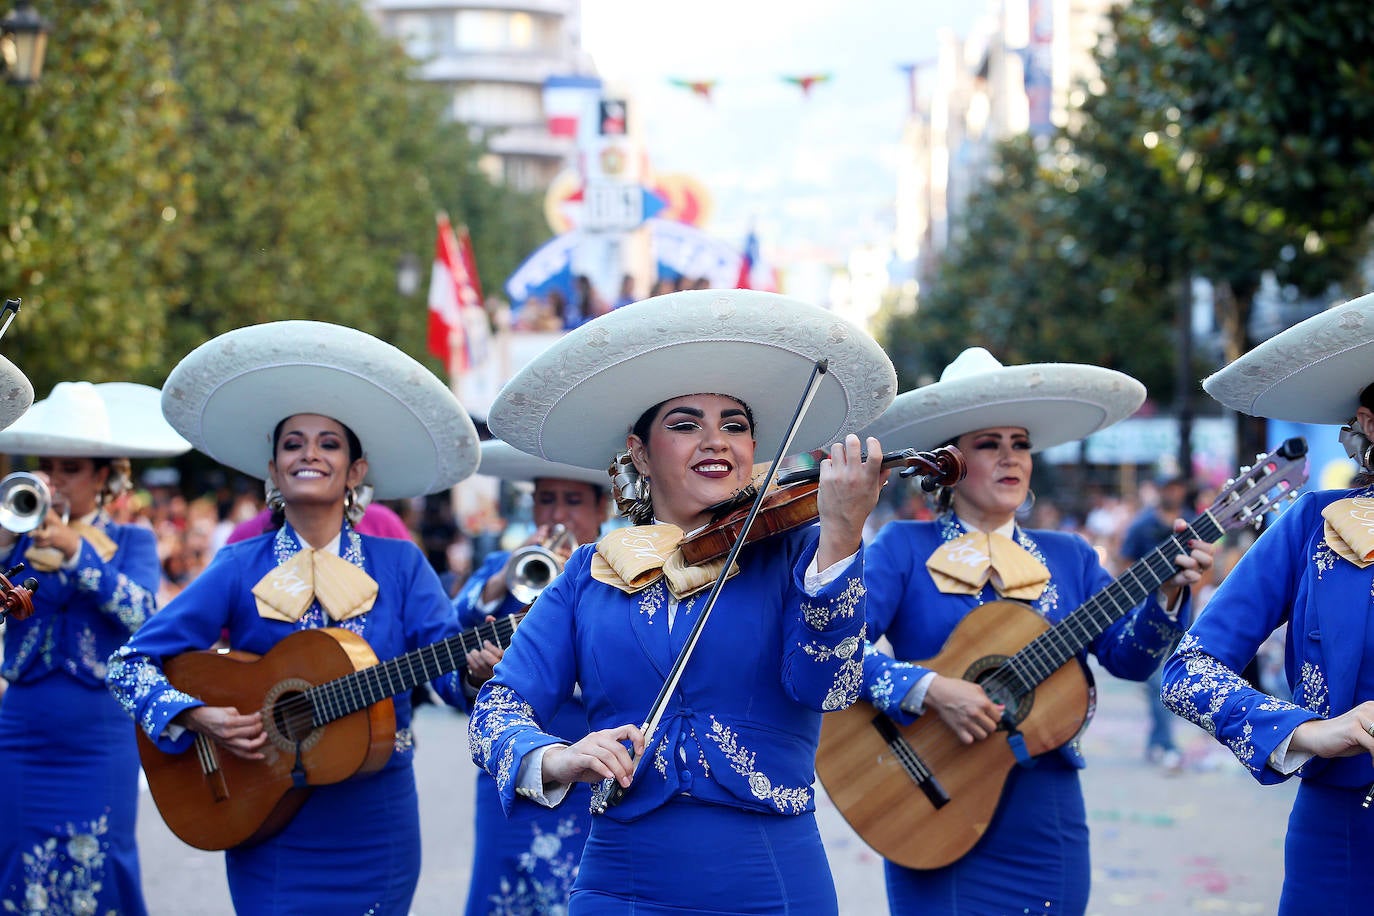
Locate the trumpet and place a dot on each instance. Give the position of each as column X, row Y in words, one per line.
column 532, row 568
column 24, row 502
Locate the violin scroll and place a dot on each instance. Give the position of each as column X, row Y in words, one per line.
column 943, row 467
column 16, row 601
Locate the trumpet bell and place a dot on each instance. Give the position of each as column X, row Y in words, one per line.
column 531, row 570
column 24, row 502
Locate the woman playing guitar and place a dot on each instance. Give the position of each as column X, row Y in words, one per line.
column 720, row 815
column 320, row 410
column 925, row 577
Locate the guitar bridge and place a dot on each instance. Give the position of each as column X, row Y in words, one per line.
column 209, row 767
column 910, row 761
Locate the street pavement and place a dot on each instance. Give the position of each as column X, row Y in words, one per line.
column 1207, row 839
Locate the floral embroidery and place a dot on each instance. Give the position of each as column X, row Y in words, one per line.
column 66, row 873
column 133, row 678
column 499, row 712
column 1323, row 559
column 651, row 599
column 545, row 874
column 788, row 801
column 819, row 615
column 405, row 741
column 1311, row 690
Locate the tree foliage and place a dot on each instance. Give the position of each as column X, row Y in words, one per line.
column 186, row 168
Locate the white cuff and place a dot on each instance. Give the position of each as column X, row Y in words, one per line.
column 915, row 700
column 815, row 581
column 1287, row 762
column 529, row 782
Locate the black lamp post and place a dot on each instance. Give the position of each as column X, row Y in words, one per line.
column 23, row 42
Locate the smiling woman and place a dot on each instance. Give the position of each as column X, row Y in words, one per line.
column 319, row 410
column 676, row 393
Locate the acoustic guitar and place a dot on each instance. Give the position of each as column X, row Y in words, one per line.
column 326, row 708
column 918, row 795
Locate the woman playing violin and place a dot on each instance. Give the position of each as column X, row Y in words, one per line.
column 68, row 761
column 320, row 410
column 925, row 577
column 723, row 786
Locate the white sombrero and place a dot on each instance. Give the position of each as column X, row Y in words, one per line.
column 1053, row 402
column 575, row 402
column 85, row 420
column 228, row 394
column 503, row 460
column 16, row 394
column 1311, row 373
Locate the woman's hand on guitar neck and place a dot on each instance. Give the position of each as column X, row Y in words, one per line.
column 1192, row 566
column 239, row 734
column 964, row 707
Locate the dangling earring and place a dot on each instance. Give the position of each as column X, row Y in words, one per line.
column 631, row 490
column 275, row 501
column 353, row 506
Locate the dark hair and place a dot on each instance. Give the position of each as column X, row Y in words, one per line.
column 646, row 419
column 355, row 451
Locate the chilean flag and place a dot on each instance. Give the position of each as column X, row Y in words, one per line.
column 567, row 100
column 452, row 289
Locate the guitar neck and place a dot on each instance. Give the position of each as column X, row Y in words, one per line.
column 1049, row 651
column 359, row 690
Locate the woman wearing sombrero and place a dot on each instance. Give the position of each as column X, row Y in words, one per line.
column 527, row 862
column 1309, row 570
column 67, row 755
column 320, row 410
column 925, row 577
column 720, row 815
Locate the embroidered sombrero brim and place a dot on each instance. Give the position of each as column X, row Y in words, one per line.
column 84, row 420
column 228, row 394
column 505, row 461
column 1312, row 372
column 16, row 393
column 576, row 401
column 1054, row 402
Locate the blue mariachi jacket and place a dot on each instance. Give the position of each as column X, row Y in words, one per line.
column 1290, row 576
column 411, row 611
column 81, row 615
column 743, row 725
column 917, row 618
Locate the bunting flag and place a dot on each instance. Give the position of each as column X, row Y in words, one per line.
column 747, row 260
column 806, row 81
column 452, row 291
column 699, row 87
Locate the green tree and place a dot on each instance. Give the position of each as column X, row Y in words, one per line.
column 93, row 200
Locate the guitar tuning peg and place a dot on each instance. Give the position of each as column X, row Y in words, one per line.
column 1230, row 480
column 1245, row 469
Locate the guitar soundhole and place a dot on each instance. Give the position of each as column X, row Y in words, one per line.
column 994, row 679
column 288, row 716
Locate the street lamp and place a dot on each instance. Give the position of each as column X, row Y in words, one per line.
column 23, row 42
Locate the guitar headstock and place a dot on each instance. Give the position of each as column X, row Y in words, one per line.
column 1270, row 480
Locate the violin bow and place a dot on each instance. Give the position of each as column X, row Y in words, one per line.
column 609, row 792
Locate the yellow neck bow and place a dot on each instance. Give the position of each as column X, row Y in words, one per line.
column 1349, row 529
column 50, row 559
column 633, row 558
column 967, row 563
column 343, row 589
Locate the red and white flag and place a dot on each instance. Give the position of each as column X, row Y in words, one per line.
column 452, row 291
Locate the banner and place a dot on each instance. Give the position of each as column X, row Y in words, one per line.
column 452, row 297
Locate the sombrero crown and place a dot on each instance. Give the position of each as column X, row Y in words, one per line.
column 85, row 420
column 1053, row 402
column 575, row 402
column 1312, row 372
column 227, row 395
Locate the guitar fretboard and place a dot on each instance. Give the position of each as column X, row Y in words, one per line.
column 1047, row 653
column 359, row 690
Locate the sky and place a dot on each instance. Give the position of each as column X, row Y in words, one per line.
column 814, row 176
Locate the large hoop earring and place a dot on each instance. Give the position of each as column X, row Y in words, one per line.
column 1027, row 504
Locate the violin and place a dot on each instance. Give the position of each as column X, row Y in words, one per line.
column 794, row 502
column 16, row 601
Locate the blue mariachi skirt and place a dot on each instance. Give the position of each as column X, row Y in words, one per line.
column 692, row 857
column 525, row 863
column 1327, row 853
column 1033, row 858
column 353, row 848
column 68, row 800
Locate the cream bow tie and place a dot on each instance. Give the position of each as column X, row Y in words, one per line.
column 343, row 589
column 967, row 563
column 633, row 558
column 1349, row 529
column 50, row 559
